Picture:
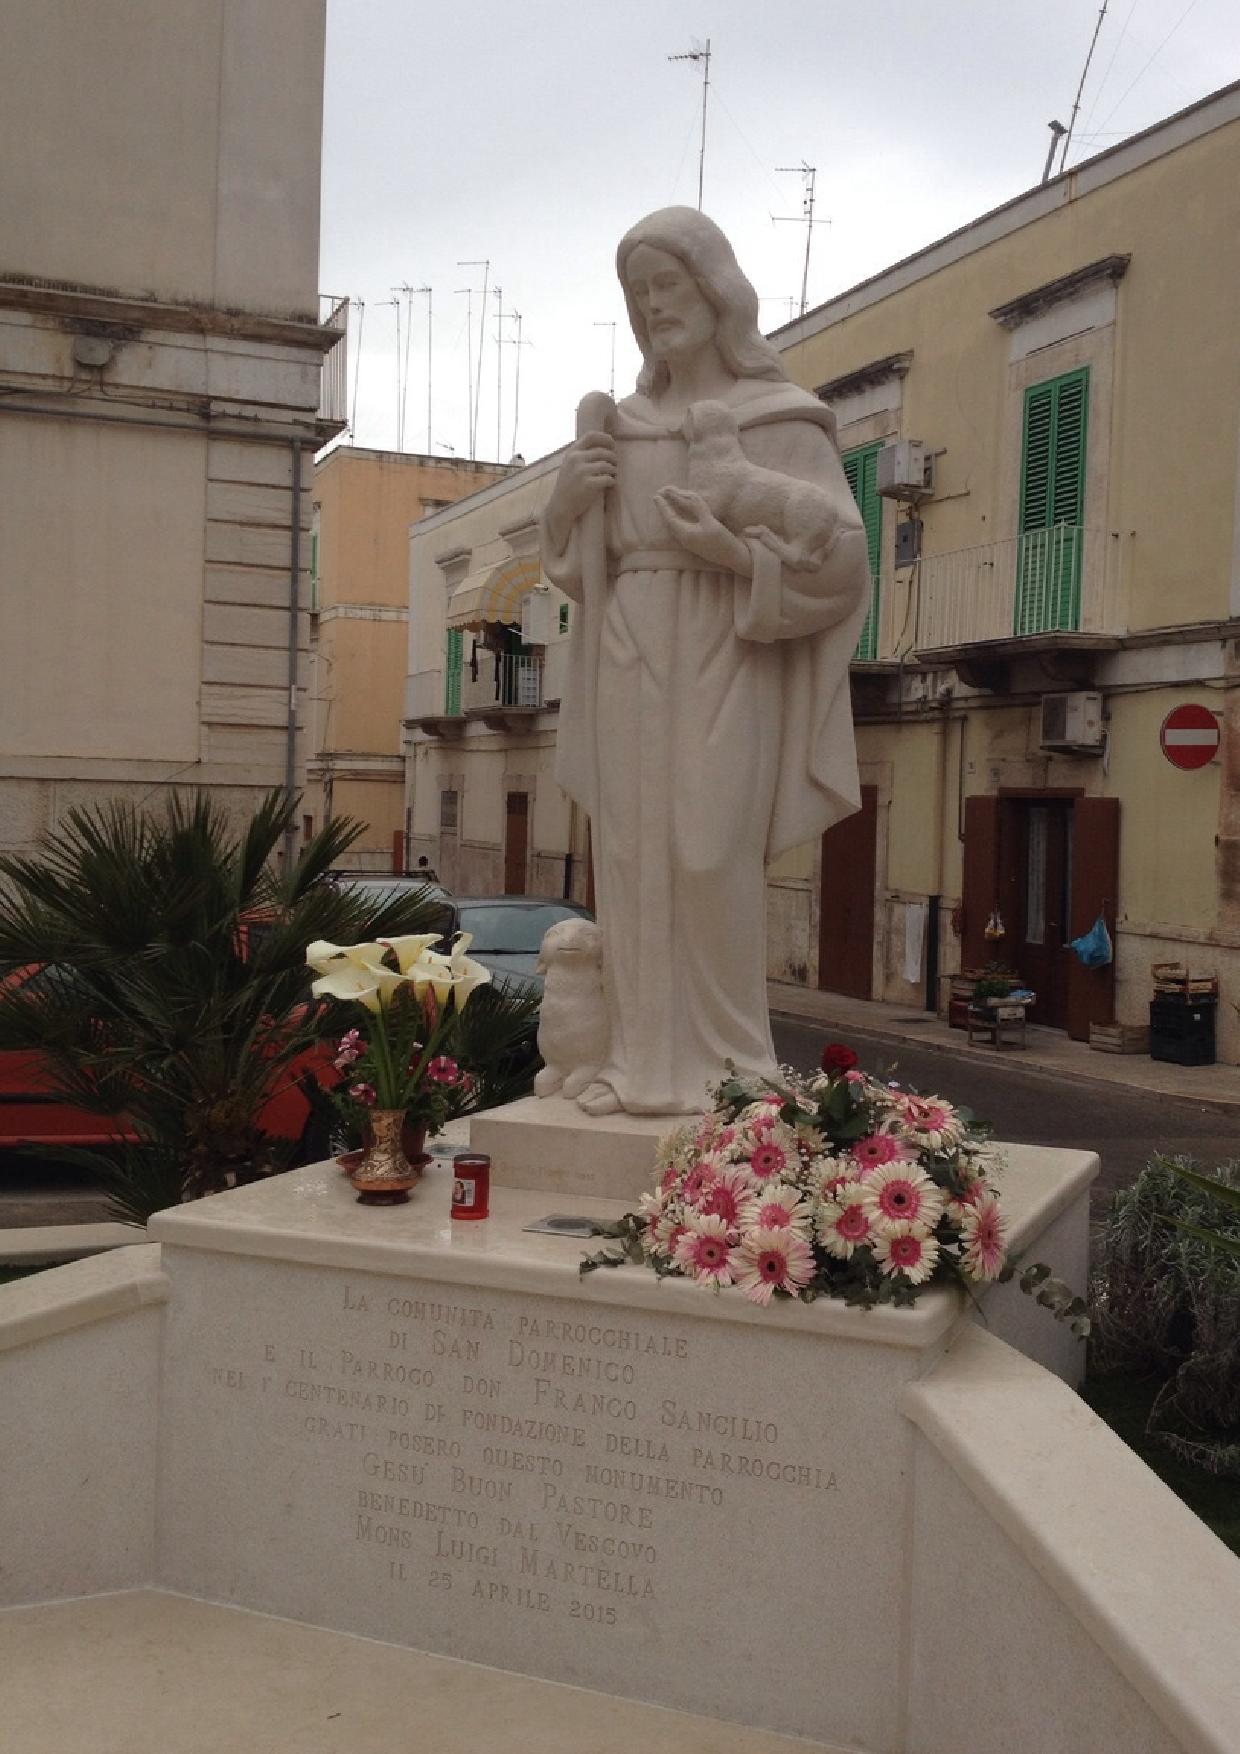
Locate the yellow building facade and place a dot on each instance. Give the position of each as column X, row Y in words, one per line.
column 365, row 502
column 1040, row 415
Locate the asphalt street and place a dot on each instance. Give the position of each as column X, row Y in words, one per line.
column 1123, row 1126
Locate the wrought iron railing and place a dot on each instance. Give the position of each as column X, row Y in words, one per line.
column 1065, row 579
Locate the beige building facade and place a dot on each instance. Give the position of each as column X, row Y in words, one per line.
column 1055, row 571
column 365, row 502
column 488, row 645
column 1056, row 568
column 162, row 369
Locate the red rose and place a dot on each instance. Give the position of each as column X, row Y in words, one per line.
column 837, row 1058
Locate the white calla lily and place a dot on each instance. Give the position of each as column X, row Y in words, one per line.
column 408, row 949
column 327, row 958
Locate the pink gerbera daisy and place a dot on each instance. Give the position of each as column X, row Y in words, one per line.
column 844, row 1223
column 725, row 1196
column 767, row 1160
column 900, row 1193
column 932, row 1121
column 985, row 1244
column 905, row 1248
column 877, row 1149
column 702, row 1251
column 443, row 1070
column 696, row 1182
column 773, row 1260
column 777, row 1206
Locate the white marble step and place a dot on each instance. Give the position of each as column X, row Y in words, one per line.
column 151, row 1673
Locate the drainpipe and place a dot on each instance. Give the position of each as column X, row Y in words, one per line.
column 294, row 580
column 934, row 903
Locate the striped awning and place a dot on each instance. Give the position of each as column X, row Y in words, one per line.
column 495, row 594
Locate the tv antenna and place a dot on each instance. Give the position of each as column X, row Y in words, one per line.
column 518, row 343
column 357, row 364
column 809, row 177
column 1076, row 102
column 426, row 291
column 611, row 388
column 699, row 52
column 395, row 303
column 476, row 382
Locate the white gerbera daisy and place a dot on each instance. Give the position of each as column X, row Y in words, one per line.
column 907, row 1249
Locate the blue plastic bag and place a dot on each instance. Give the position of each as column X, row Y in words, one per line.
column 1094, row 947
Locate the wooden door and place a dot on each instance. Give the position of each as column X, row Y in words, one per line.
column 516, row 841
column 1094, row 890
column 846, row 911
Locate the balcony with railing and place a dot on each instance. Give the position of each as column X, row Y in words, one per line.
column 506, row 694
column 1057, row 589
column 333, row 414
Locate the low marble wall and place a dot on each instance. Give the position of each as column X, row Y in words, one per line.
column 1062, row 1597
column 79, row 1394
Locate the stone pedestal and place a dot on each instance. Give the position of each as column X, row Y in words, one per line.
column 548, row 1143
column 438, row 1434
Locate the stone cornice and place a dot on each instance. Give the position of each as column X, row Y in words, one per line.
column 86, row 305
column 863, row 377
column 1053, row 292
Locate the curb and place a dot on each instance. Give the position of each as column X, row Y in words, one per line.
column 1228, row 1105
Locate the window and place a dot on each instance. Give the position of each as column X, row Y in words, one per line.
column 1052, row 505
column 453, row 664
column 861, row 470
column 449, row 810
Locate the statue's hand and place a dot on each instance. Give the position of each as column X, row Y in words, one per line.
column 588, row 470
column 693, row 525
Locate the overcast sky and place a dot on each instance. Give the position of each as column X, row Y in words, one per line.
column 534, row 134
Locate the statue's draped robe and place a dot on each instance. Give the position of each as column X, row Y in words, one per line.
column 706, row 728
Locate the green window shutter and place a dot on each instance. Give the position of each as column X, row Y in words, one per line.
column 452, row 670
column 1052, row 505
column 861, row 473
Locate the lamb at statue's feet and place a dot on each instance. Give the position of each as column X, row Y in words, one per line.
column 599, row 1099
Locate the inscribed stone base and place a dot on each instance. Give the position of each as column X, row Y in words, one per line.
column 546, row 1142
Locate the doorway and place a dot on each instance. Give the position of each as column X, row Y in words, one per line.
column 516, row 841
column 1047, row 864
column 1043, row 843
column 846, row 902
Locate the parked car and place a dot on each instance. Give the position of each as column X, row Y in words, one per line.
column 508, row 932
column 33, row 1112
column 381, row 889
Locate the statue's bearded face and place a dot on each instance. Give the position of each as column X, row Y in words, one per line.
column 678, row 319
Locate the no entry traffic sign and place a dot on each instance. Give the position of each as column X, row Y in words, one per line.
column 1190, row 736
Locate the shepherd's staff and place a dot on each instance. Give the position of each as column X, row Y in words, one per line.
column 595, row 413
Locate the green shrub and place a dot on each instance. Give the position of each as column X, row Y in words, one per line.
column 1165, row 1305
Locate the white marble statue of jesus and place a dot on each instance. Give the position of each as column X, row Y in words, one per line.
column 706, row 527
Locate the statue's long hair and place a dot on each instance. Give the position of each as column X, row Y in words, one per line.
column 698, row 242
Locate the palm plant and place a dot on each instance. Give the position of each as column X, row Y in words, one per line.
column 173, row 992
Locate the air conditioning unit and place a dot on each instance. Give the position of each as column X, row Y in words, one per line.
column 1073, row 722
column 536, row 616
column 905, row 472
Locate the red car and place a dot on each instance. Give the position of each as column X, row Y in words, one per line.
column 33, row 1113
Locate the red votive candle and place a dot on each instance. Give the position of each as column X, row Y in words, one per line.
column 471, row 1184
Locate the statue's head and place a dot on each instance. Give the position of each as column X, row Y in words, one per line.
column 698, row 243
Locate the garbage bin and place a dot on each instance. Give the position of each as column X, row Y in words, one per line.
column 1182, row 1030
